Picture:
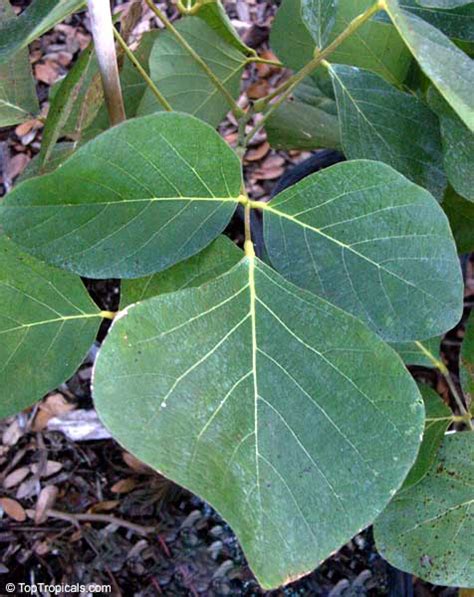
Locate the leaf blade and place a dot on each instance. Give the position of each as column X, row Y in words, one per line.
column 43, row 312
column 376, row 120
column 133, row 225
column 415, row 533
column 449, row 68
column 245, row 445
column 331, row 225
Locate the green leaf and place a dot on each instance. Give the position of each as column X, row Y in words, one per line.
column 449, row 69
column 423, row 353
column 289, row 416
column 458, row 145
column 460, row 213
column 446, row 4
column 135, row 200
column 216, row 259
column 213, row 14
column 47, row 324
column 466, row 362
column 59, row 154
column 183, row 82
column 438, row 419
column 319, row 16
column 40, row 16
column 426, row 529
column 371, row 242
column 308, row 120
column 18, row 99
column 379, row 122
column 62, row 105
column 376, row 46
column 457, row 23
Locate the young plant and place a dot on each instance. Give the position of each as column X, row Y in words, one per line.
column 267, row 387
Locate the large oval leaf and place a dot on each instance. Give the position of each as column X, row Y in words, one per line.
column 460, row 213
column 457, row 23
column 319, row 16
column 216, row 259
column 47, row 324
column 447, row 66
column 135, row 200
column 289, row 416
column 458, row 145
column 425, row 353
column 370, row 241
column 427, row 529
column 40, row 16
column 307, row 120
column 377, row 121
column 466, row 363
column 183, row 82
column 376, row 46
column 17, row 87
column 438, row 419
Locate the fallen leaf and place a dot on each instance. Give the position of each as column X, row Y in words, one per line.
column 13, row 509
column 16, row 477
column 104, row 506
column 47, row 72
column 51, row 467
column 137, row 465
column 12, row 434
column 45, row 501
column 258, row 89
column 254, row 155
column 17, row 164
column 123, row 486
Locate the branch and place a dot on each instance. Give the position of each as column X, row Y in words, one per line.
column 102, row 33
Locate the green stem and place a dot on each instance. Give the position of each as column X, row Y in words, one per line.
column 285, row 90
column 449, row 380
column 131, row 56
column 235, row 108
column 188, row 10
column 108, row 314
column 248, row 244
column 260, row 60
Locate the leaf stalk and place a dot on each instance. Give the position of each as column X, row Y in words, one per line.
column 285, row 90
column 235, row 108
column 133, row 59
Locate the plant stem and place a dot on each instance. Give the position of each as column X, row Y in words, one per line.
column 235, row 108
column 102, row 33
column 248, row 244
column 287, row 88
column 108, row 314
column 133, row 59
column 260, row 60
column 449, row 380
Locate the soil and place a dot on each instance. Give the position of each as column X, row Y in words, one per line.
column 176, row 544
